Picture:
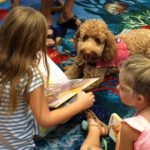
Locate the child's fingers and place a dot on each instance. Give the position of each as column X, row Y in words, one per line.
column 91, row 94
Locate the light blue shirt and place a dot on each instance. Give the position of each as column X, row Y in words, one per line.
column 16, row 131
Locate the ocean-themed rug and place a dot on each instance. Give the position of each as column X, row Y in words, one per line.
column 118, row 15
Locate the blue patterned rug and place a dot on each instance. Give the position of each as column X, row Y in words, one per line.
column 118, row 15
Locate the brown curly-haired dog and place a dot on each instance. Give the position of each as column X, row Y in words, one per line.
column 94, row 43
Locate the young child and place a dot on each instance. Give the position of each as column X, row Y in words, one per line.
column 22, row 102
column 134, row 90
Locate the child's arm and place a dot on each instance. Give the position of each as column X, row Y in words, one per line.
column 118, row 141
column 47, row 118
column 126, row 138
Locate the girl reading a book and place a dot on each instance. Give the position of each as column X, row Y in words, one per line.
column 134, row 90
column 22, row 102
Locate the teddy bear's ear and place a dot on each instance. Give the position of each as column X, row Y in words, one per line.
column 110, row 50
column 76, row 38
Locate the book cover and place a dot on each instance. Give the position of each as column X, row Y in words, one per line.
column 60, row 88
column 114, row 126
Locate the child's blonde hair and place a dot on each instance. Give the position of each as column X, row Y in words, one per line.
column 22, row 34
column 136, row 75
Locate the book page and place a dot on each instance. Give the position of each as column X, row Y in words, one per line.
column 60, row 88
column 114, row 126
column 60, row 93
column 56, row 74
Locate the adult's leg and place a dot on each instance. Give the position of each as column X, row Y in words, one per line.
column 92, row 141
column 46, row 9
column 67, row 12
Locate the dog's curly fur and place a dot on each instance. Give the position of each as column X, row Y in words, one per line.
column 94, row 42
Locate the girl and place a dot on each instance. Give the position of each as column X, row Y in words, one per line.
column 134, row 90
column 22, row 102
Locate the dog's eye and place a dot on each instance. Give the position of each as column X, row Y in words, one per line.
column 97, row 41
column 85, row 38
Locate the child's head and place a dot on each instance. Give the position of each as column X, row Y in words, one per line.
column 135, row 76
column 22, row 34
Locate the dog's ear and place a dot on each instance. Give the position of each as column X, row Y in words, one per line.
column 110, row 50
column 76, row 38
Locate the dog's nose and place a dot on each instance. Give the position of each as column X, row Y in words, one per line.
column 87, row 52
column 87, row 56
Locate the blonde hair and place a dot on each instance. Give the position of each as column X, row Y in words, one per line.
column 22, row 34
column 136, row 75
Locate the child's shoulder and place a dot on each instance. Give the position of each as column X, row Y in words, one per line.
column 137, row 122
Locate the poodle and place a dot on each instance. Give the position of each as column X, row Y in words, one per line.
column 99, row 51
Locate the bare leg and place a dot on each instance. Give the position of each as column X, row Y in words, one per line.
column 67, row 12
column 92, row 141
column 46, row 9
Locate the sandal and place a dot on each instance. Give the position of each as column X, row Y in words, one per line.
column 51, row 36
column 71, row 23
column 91, row 114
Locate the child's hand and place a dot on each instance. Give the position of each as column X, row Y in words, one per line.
column 86, row 100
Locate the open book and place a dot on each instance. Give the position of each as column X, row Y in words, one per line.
column 60, row 88
column 114, row 126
